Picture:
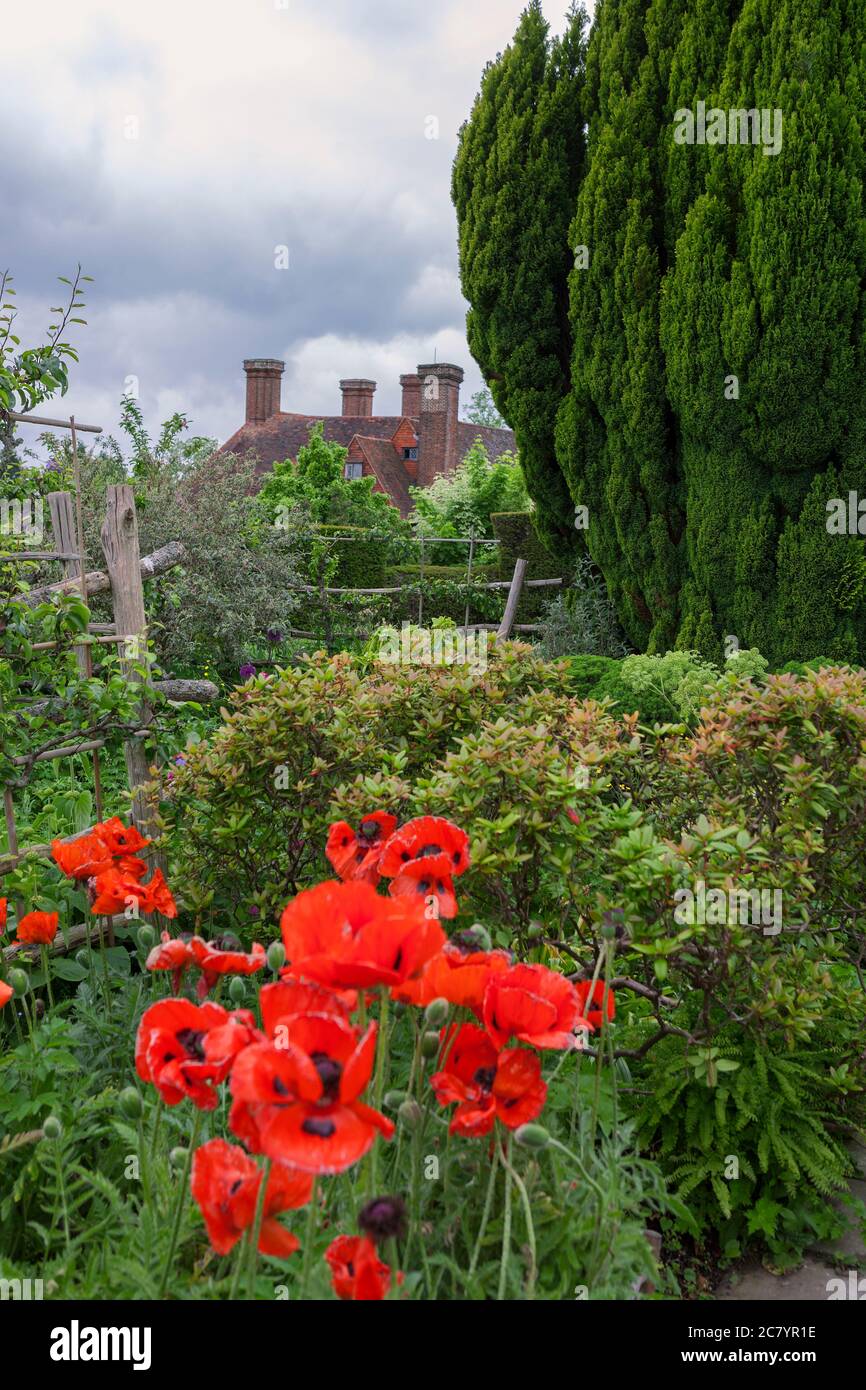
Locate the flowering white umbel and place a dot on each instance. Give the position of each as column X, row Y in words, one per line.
column 76, row 1343
column 747, row 906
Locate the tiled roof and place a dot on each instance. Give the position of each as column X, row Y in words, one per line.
column 387, row 464
column 284, row 434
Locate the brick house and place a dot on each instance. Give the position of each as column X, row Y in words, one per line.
column 400, row 451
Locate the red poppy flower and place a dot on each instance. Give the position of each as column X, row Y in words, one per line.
column 533, row 1004
column 115, row 890
column 225, row 1184
column 282, row 1000
column 159, row 898
column 213, row 962
column 82, row 858
column 39, row 928
column 346, row 936
column 297, row 1101
column 417, row 883
column 187, row 1049
column 456, row 974
column 488, row 1084
column 356, row 856
column 173, row 953
column 3, row 905
column 606, row 1006
column 356, row 1271
column 118, row 838
column 444, row 847
column 6, row 993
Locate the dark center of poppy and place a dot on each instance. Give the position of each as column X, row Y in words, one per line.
column 238, row 1183
column 484, row 1077
column 280, row 1087
column 370, row 829
column 191, row 1042
column 318, row 1126
column 329, row 1073
column 428, row 851
column 455, row 858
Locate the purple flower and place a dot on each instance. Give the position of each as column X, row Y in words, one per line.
column 247, row 670
column 180, row 760
column 274, row 635
column 254, row 911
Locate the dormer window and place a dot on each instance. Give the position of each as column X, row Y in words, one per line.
column 411, row 453
column 354, row 470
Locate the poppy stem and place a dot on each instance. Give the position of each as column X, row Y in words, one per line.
column 240, row 1264
column 485, row 1215
column 180, row 1204
column 157, row 1118
column 506, row 1235
column 309, row 1233
column 257, row 1227
column 379, row 1081
column 530, row 1225
column 43, row 952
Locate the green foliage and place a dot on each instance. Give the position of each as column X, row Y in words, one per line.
column 315, row 487
column 482, row 410
column 36, row 374
column 582, row 619
column 466, row 500
column 518, row 168
column 708, row 419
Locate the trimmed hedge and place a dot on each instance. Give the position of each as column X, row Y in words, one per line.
column 518, row 539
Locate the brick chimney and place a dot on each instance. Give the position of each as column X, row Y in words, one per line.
column 437, row 427
column 358, row 396
column 263, row 388
column 411, row 383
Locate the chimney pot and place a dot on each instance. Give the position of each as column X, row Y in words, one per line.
column 411, row 383
column 358, row 395
column 263, row 388
column 437, row 424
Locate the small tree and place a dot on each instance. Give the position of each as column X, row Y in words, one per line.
column 482, row 410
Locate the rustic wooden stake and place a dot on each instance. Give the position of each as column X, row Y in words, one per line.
column 120, row 547
column 469, row 573
column 513, row 599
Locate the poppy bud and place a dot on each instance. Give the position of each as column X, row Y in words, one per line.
column 532, row 1136
column 177, row 1157
column 480, row 936
column 535, row 930
column 146, row 936
column 130, row 1103
column 276, row 956
column 394, row 1099
column 52, row 1128
column 383, row 1219
column 410, row 1113
column 436, row 1013
column 83, row 958
column 20, row 982
column 238, row 990
column 39, row 1008
column 429, row 1044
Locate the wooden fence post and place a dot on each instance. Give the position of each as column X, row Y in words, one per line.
column 513, row 599
column 63, row 526
column 120, row 547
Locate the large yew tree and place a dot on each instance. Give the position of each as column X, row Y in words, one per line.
column 695, row 377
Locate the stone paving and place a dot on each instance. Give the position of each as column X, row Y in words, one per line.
column 750, row 1282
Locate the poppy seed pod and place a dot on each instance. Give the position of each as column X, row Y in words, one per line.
column 20, row 982
column 383, row 1219
column 394, row 1099
column 237, row 990
column 436, row 1013
column 532, row 1136
column 52, row 1128
column 276, row 955
column 83, row 958
column 130, row 1103
column 410, row 1114
column 146, row 936
column 429, row 1045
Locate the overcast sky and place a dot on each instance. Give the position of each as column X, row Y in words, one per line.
column 173, row 147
